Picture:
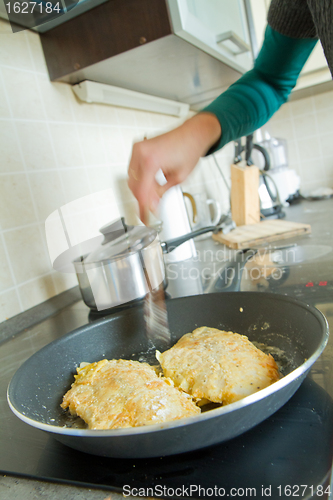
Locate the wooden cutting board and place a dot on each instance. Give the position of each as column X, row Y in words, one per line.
column 253, row 235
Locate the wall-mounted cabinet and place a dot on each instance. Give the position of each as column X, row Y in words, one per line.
column 218, row 27
column 184, row 50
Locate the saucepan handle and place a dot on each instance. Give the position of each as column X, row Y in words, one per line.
column 168, row 246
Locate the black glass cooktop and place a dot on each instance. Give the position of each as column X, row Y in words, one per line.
column 291, row 448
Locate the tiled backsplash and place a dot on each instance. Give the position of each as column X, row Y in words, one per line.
column 55, row 149
column 307, row 124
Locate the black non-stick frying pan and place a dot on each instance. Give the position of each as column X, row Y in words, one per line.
column 297, row 331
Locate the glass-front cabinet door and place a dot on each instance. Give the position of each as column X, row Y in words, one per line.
column 218, row 27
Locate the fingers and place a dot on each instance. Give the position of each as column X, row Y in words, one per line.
column 173, row 178
column 141, row 179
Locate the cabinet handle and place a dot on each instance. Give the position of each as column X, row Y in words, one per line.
column 231, row 35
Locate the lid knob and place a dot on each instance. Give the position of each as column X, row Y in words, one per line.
column 114, row 229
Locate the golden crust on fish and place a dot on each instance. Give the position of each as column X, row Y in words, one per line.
column 219, row 366
column 120, row 393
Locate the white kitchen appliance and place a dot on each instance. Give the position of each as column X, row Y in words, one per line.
column 282, row 179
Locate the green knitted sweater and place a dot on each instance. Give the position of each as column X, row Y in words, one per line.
column 250, row 102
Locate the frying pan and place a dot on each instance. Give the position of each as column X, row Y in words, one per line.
column 298, row 330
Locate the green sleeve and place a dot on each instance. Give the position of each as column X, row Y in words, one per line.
column 250, row 102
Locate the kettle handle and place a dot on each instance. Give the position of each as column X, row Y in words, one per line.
column 265, row 155
column 193, row 205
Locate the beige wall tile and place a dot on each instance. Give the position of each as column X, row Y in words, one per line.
column 284, row 113
column 313, row 170
column 281, row 128
column 23, row 94
column 9, row 304
column 292, row 152
column 323, row 101
column 122, row 191
column 84, row 216
column 171, row 122
column 326, row 142
column 159, row 121
column 56, row 98
column 36, row 145
column 66, row 145
column 126, row 117
column 305, row 126
column 10, row 157
column 302, row 106
column 14, row 50
column 328, row 165
column 4, row 108
column 309, row 149
column 113, row 145
column 27, row 253
column 325, row 121
column 130, row 136
column 36, row 291
column 36, row 51
column 64, row 281
column 83, row 112
column 310, row 186
column 106, row 115
column 6, row 279
column 5, row 28
column 16, row 206
column 91, row 140
column 130, row 211
column 99, row 178
column 55, row 236
column 47, row 191
column 143, row 119
column 75, row 182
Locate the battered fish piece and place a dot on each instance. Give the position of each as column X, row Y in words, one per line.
column 218, row 366
column 120, row 393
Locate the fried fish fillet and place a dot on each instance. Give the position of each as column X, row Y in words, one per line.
column 218, row 366
column 120, row 393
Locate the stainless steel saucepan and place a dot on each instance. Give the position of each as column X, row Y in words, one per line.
column 127, row 264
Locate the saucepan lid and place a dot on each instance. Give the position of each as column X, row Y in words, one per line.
column 121, row 240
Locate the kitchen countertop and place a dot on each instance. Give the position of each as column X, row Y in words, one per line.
column 65, row 313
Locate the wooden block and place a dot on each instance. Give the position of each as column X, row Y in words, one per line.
column 245, row 203
column 264, row 232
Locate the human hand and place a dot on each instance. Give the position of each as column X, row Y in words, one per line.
column 176, row 153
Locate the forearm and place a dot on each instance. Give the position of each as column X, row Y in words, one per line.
column 203, row 130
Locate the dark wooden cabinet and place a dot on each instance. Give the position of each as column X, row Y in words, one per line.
column 105, row 31
column 130, row 44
